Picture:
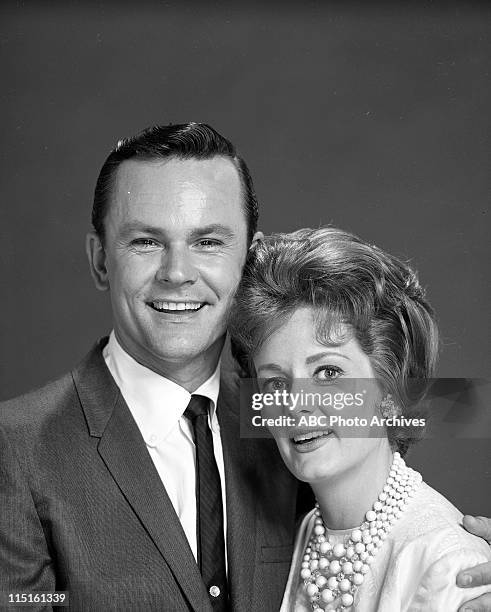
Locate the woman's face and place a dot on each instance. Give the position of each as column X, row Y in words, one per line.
column 293, row 360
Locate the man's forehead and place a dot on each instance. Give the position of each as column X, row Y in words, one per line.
column 207, row 190
column 154, row 175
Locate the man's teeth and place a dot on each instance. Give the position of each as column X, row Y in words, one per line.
column 159, row 305
column 311, row 435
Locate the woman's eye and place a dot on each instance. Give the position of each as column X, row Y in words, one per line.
column 327, row 373
column 270, row 385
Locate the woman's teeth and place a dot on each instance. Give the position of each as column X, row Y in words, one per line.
column 311, row 435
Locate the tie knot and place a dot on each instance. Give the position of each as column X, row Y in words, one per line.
column 198, row 406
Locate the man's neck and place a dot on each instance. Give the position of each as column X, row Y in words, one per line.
column 189, row 374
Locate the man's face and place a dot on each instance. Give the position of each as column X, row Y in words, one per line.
column 176, row 242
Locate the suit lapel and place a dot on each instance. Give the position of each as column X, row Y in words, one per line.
column 239, row 460
column 125, row 455
column 261, row 496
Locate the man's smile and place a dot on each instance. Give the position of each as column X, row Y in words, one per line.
column 176, row 307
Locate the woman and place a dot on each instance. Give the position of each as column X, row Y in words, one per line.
column 323, row 310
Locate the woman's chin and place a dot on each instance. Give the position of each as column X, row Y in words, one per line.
column 311, row 464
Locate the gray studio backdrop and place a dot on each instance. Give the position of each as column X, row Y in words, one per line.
column 372, row 116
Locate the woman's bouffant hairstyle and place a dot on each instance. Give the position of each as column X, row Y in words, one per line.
column 346, row 281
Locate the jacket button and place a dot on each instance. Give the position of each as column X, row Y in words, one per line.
column 214, row 591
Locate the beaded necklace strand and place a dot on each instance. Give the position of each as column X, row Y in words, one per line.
column 332, row 574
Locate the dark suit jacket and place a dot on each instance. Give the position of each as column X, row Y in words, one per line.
column 82, row 508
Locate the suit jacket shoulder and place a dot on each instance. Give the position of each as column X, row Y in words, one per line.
column 84, row 510
column 82, row 506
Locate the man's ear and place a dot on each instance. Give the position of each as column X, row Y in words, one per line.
column 97, row 260
column 256, row 238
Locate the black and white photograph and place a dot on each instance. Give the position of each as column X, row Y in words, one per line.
column 245, row 357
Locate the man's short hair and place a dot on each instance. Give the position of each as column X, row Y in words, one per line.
column 180, row 141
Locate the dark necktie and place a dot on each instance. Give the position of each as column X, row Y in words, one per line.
column 209, row 508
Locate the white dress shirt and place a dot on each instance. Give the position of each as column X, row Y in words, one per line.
column 157, row 405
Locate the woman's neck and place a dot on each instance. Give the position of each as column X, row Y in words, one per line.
column 345, row 499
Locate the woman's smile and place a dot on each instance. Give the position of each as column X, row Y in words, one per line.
column 311, row 441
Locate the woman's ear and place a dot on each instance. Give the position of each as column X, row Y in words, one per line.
column 97, row 260
column 388, row 408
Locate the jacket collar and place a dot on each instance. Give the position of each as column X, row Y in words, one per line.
column 125, row 455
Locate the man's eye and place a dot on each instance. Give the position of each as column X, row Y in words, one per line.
column 270, row 385
column 143, row 243
column 327, row 373
column 209, row 243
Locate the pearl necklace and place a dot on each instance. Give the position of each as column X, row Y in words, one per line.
column 332, row 574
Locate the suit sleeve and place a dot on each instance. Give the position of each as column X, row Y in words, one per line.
column 25, row 562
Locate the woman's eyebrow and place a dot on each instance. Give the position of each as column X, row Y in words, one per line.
column 270, row 366
column 318, row 356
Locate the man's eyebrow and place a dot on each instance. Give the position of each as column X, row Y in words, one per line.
column 213, row 228
column 138, row 226
column 196, row 233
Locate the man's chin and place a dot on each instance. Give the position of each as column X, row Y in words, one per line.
column 185, row 350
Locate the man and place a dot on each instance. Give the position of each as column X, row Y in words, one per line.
column 125, row 483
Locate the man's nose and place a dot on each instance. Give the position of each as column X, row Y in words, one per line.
column 177, row 266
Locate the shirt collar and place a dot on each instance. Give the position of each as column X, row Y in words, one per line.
column 155, row 402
